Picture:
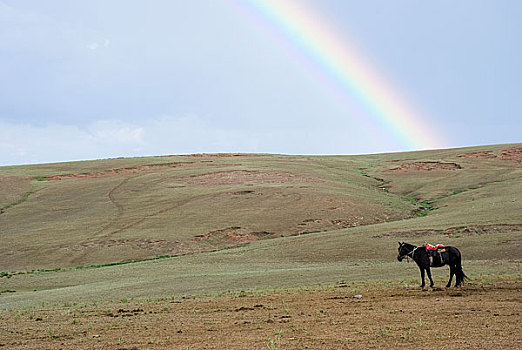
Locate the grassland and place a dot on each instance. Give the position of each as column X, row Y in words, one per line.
column 118, row 230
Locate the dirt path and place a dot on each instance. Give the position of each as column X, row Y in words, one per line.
column 116, row 204
column 482, row 316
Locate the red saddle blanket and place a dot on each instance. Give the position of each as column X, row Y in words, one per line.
column 433, row 247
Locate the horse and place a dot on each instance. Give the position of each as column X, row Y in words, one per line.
column 446, row 256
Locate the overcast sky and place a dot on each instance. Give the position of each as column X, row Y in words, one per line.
column 99, row 79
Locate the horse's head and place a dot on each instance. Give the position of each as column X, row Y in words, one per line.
column 404, row 249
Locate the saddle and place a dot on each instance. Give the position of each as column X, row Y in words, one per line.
column 437, row 254
column 433, row 247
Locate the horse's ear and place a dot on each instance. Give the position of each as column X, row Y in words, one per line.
column 400, row 243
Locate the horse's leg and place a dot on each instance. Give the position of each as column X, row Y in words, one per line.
column 428, row 270
column 459, row 274
column 422, row 277
column 457, row 267
column 452, row 272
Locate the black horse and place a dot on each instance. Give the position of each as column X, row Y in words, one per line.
column 425, row 259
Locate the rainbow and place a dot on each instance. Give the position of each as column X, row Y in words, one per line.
column 346, row 73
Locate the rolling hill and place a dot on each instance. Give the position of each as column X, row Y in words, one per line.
column 176, row 225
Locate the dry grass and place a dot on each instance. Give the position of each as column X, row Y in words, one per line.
column 141, row 211
column 13, row 190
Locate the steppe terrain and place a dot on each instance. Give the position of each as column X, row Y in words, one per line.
column 254, row 251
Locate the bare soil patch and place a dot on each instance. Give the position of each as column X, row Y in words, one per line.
column 233, row 235
column 115, row 172
column 223, row 238
column 126, row 171
column 157, row 245
column 247, row 177
column 478, row 155
column 485, row 315
column 427, row 166
column 458, row 230
column 512, row 154
column 222, row 155
column 323, row 224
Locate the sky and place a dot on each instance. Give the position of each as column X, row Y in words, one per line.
column 121, row 78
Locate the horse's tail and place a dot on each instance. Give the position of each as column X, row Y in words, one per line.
column 461, row 276
column 459, row 273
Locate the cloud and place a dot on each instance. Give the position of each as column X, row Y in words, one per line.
column 93, row 46
column 103, row 43
column 114, row 131
column 26, row 143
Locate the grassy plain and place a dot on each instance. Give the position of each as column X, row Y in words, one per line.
column 110, row 232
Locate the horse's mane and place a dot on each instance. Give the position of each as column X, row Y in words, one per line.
column 407, row 245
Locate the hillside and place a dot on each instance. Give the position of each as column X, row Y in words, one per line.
column 204, row 223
